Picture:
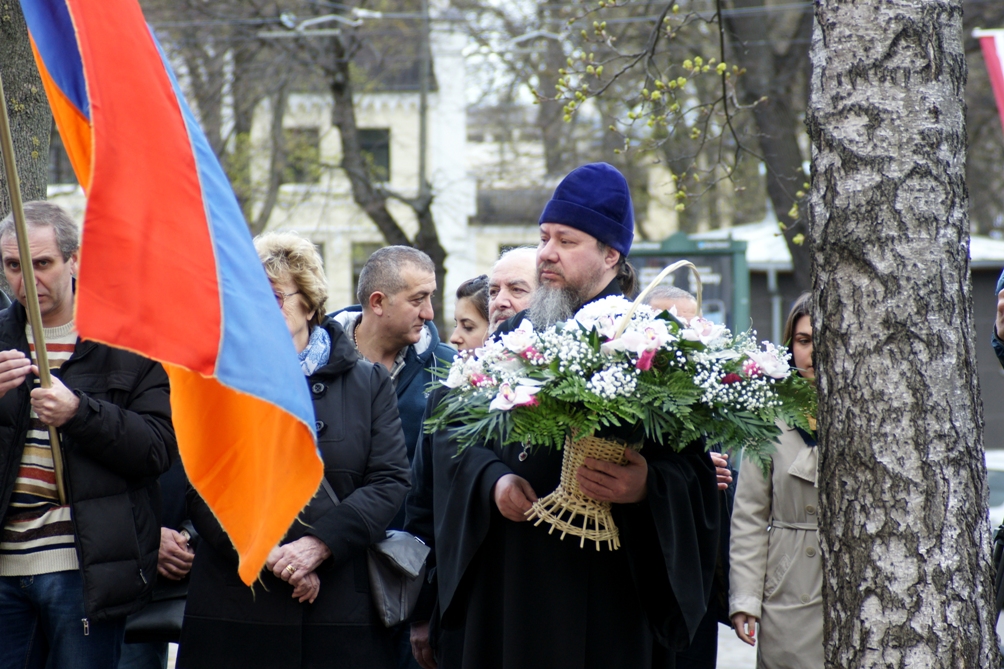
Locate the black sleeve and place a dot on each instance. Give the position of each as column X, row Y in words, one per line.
column 133, row 441
column 418, row 507
column 418, row 503
column 363, row 516
column 208, row 528
column 672, row 540
column 462, row 499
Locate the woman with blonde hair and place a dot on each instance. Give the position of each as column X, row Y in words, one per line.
column 312, row 607
column 776, row 573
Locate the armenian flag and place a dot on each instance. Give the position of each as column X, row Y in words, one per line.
column 992, row 45
column 168, row 269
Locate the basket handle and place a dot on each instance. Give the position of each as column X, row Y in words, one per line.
column 662, row 275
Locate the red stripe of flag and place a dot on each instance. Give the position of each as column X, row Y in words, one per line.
column 988, row 43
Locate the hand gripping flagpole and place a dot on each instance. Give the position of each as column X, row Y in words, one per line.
column 28, row 274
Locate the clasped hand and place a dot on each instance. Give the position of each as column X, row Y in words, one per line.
column 175, row 558
column 295, row 563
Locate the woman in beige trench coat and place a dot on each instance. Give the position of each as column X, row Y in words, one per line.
column 776, row 575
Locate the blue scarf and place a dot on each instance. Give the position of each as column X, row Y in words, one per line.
column 317, row 352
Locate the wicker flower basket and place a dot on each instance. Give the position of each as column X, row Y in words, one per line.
column 568, row 509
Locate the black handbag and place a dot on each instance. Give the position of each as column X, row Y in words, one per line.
column 396, row 569
column 160, row 620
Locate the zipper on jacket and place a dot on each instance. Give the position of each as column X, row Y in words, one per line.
column 87, row 626
column 142, row 576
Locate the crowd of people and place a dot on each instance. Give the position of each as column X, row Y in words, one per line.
column 81, row 560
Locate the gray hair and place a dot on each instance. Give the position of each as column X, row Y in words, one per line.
column 516, row 251
column 382, row 271
column 38, row 214
column 668, row 293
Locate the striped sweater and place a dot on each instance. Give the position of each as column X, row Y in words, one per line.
column 37, row 536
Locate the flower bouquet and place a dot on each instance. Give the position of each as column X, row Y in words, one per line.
column 618, row 367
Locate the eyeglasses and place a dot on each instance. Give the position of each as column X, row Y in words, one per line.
column 280, row 297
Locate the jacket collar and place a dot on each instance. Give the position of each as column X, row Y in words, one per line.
column 343, row 354
column 806, row 464
column 13, row 320
column 418, row 356
column 349, row 317
column 613, row 288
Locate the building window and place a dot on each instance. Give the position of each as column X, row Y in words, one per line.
column 303, row 155
column 375, row 146
column 361, row 252
column 60, row 169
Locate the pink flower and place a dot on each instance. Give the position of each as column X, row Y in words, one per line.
column 645, row 360
column 703, row 330
column 751, row 369
column 532, row 355
column 521, row 338
column 771, row 362
column 509, row 396
column 731, row 377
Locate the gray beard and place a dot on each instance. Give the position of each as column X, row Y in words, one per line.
column 550, row 305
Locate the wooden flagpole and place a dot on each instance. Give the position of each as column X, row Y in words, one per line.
column 28, row 275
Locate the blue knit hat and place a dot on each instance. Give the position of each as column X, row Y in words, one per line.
column 595, row 199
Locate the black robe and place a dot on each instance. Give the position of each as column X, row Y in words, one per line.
column 513, row 596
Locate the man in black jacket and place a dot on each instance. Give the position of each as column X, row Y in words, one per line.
column 71, row 572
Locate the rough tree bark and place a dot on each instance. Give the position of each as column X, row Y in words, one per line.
column 30, row 117
column 903, row 520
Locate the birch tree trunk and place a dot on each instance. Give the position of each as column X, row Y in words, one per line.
column 903, row 525
column 30, row 118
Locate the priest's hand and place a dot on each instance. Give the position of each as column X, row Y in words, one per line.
column 621, row 484
column 14, row 367
column 745, row 627
column 54, row 405
column 721, row 462
column 514, row 496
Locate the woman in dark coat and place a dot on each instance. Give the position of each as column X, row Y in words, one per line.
column 312, row 605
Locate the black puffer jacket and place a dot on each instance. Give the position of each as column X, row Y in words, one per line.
column 114, row 448
column 360, row 438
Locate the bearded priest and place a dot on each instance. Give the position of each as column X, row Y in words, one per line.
column 512, row 595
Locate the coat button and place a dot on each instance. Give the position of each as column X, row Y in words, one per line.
column 319, row 427
column 810, row 551
column 811, row 510
column 805, row 599
column 317, row 388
